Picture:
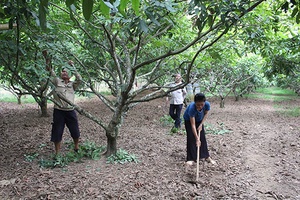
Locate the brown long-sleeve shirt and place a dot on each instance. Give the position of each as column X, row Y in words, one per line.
column 66, row 90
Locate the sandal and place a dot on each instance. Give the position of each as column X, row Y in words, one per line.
column 189, row 163
column 209, row 160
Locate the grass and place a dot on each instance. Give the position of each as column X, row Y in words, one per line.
column 276, row 91
column 10, row 98
column 288, row 110
column 294, row 112
column 275, row 94
column 278, row 96
column 7, row 97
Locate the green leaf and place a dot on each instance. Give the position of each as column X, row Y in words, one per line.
column 200, row 24
column 298, row 18
column 109, row 4
column 122, row 7
column 87, row 8
column 196, row 2
column 143, row 26
column 136, row 6
column 42, row 13
column 2, row 11
column 69, row 2
column 285, row 6
column 294, row 12
column 104, row 9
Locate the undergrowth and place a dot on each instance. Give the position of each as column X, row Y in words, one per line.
column 87, row 150
column 216, row 130
column 166, row 120
column 122, row 157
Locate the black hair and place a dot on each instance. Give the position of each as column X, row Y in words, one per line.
column 199, row 97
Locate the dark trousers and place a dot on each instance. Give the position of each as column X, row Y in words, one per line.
column 191, row 143
column 174, row 112
column 62, row 118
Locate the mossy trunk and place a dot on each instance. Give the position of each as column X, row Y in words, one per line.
column 111, row 145
column 112, row 133
column 43, row 105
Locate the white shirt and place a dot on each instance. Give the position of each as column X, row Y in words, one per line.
column 177, row 96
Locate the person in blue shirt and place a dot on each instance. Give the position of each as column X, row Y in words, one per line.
column 194, row 117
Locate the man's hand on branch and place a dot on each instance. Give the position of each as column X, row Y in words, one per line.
column 71, row 63
column 73, row 69
column 45, row 53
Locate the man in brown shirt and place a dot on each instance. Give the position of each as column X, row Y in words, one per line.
column 64, row 113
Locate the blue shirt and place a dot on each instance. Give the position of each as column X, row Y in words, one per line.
column 191, row 111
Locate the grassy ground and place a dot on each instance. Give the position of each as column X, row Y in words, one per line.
column 6, row 96
column 273, row 93
column 280, row 97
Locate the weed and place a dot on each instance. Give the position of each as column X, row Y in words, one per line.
column 86, row 150
column 122, row 157
column 166, row 120
column 42, row 145
column 45, row 163
column 175, row 130
column 31, row 157
column 89, row 149
column 220, row 130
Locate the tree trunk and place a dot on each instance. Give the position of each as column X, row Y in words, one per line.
column 111, row 146
column 19, row 99
column 222, row 103
column 112, row 133
column 236, row 94
column 221, row 95
column 43, row 106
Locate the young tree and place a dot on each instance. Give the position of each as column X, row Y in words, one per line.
column 20, row 62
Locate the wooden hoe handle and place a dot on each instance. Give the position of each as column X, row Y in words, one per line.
column 198, row 159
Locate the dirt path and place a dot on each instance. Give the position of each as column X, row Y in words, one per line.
column 258, row 159
column 268, row 152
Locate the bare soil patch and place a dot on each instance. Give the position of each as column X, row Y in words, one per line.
column 258, row 159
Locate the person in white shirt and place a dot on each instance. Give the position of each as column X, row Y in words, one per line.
column 176, row 102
